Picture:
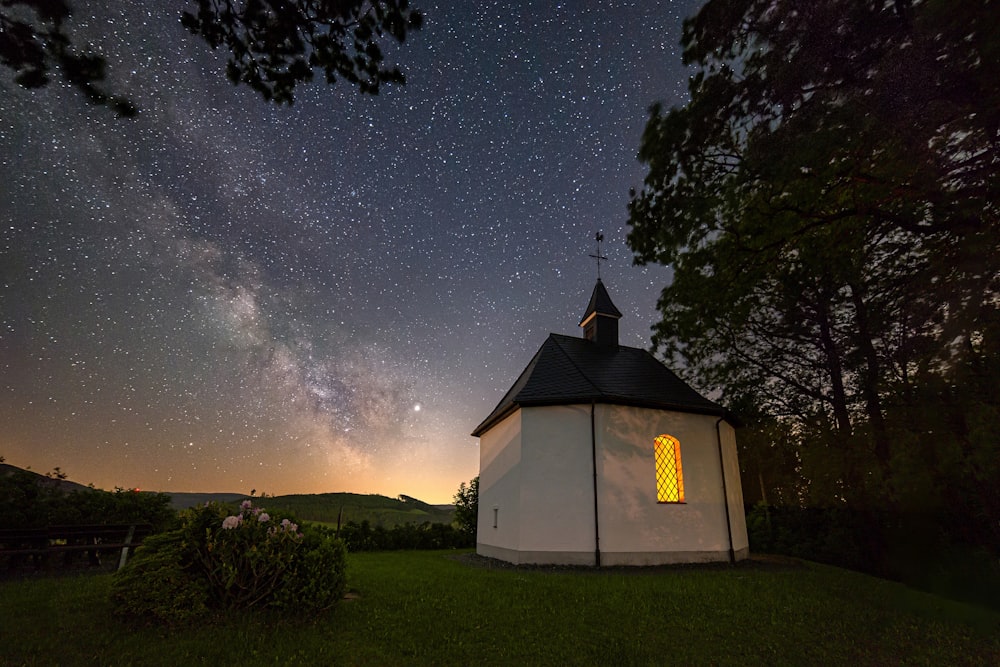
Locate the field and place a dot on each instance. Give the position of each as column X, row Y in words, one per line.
column 449, row 608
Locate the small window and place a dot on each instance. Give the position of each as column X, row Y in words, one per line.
column 669, row 476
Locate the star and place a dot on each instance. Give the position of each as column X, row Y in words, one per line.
column 222, row 294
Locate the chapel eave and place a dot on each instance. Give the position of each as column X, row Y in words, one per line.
column 571, row 371
column 510, row 409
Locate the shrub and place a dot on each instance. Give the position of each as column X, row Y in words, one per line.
column 316, row 579
column 158, row 585
column 363, row 537
column 246, row 556
column 906, row 547
column 224, row 560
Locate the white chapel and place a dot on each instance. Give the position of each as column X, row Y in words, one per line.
column 600, row 455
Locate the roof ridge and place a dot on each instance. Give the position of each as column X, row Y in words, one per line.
column 574, row 364
column 519, row 382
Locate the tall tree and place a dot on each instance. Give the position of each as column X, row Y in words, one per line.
column 273, row 45
column 828, row 201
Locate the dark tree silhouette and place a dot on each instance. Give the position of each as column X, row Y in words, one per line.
column 34, row 43
column 827, row 200
column 830, row 190
column 273, row 45
column 276, row 44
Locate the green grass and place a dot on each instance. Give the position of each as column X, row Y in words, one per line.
column 427, row 608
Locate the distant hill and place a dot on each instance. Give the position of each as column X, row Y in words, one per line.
column 320, row 507
column 329, row 507
column 377, row 510
column 64, row 484
column 182, row 501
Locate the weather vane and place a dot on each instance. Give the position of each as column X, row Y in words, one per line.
column 599, row 257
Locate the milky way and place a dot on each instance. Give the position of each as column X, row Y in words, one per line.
column 222, row 294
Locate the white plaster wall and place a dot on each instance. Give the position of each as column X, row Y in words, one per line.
column 557, row 481
column 734, row 489
column 631, row 521
column 536, row 470
column 499, row 486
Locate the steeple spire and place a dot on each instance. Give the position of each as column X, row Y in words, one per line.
column 600, row 320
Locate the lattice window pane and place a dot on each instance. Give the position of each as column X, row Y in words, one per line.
column 669, row 475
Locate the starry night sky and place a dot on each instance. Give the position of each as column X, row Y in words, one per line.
column 226, row 295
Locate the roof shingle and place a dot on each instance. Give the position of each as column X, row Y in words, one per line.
column 568, row 370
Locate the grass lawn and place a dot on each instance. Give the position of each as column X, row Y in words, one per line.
column 431, row 608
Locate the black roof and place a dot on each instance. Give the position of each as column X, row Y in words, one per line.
column 568, row 370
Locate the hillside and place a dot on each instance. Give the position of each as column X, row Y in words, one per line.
column 64, row 484
column 376, row 509
column 182, row 501
column 323, row 507
column 327, row 507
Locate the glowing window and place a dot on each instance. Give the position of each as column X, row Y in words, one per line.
column 669, row 476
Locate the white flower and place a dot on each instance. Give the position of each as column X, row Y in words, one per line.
column 231, row 522
column 264, row 518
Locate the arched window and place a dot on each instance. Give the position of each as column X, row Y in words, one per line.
column 669, row 476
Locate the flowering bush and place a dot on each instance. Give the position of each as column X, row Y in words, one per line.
column 235, row 560
column 247, row 557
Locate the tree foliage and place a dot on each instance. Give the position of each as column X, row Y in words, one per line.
column 30, row 500
column 828, row 203
column 34, row 43
column 273, row 45
column 467, row 507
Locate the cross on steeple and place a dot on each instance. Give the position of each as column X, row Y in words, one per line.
column 599, row 257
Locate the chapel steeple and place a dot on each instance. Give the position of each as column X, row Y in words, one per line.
column 600, row 320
